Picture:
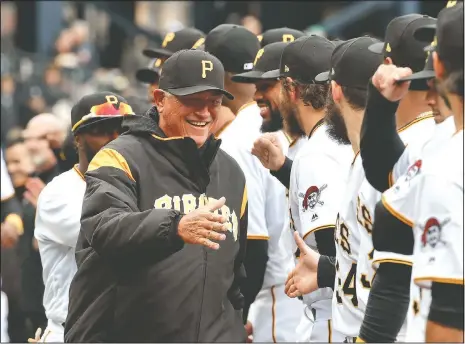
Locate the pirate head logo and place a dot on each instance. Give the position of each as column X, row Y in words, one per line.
column 432, row 231
column 312, row 197
column 411, row 173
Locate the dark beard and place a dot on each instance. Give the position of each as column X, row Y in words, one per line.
column 89, row 152
column 275, row 122
column 290, row 114
column 336, row 127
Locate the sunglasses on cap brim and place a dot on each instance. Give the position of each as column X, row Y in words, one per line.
column 106, row 110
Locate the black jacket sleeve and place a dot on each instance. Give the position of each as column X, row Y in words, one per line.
column 235, row 294
column 114, row 225
column 255, row 262
column 326, row 274
column 284, row 173
column 380, row 144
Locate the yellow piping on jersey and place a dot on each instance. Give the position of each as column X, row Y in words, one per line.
column 245, row 106
column 317, row 229
column 458, row 281
column 395, row 261
column 75, row 168
column 244, row 201
column 420, row 118
column 394, row 213
column 330, row 332
column 257, row 237
column 355, row 157
column 273, row 315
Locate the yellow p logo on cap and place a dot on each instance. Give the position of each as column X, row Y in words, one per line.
column 207, row 66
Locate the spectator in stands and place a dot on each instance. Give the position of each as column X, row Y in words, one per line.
column 44, row 134
column 9, row 103
column 21, row 168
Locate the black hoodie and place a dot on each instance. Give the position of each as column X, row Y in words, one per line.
column 136, row 280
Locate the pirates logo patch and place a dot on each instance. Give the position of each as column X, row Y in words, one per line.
column 312, row 197
column 432, row 231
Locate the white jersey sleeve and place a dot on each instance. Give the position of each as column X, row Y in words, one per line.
column 7, row 189
column 438, row 254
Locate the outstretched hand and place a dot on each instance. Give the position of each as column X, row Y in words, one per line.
column 201, row 226
column 303, row 279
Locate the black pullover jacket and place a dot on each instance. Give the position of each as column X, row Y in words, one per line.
column 136, row 280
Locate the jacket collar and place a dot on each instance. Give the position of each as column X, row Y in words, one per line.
column 182, row 152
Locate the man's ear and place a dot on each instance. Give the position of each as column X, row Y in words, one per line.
column 159, row 98
column 438, row 66
column 77, row 141
column 293, row 91
column 336, row 91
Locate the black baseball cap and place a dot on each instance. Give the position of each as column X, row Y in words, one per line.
column 192, row 71
column 267, row 59
column 448, row 42
column 186, row 38
column 401, row 45
column 234, row 45
column 282, row 34
column 151, row 74
column 426, row 74
column 352, row 63
column 98, row 107
column 304, row 59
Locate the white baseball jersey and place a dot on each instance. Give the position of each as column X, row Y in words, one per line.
column 318, row 180
column 368, row 197
column 418, row 199
column 266, row 219
column 347, row 316
column 57, row 225
column 7, row 190
column 4, row 318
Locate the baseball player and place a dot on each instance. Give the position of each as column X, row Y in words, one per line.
column 313, row 206
column 267, row 94
column 96, row 120
column 417, row 201
column 282, row 34
column 402, row 48
column 345, row 109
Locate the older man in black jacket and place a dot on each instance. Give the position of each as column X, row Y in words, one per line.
column 164, row 222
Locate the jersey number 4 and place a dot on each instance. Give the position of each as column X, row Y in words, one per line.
column 350, row 287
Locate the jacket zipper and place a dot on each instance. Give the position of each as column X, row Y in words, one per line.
column 204, row 282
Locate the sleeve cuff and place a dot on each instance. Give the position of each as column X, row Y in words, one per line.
column 173, row 236
column 284, row 173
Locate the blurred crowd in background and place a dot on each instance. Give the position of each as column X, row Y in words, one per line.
column 95, row 47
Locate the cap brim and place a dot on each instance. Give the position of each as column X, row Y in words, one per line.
column 377, row 48
column 157, row 53
column 322, row 77
column 185, row 91
column 425, row 33
column 272, row 74
column 148, row 76
column 249, row 77
column 91, row 122
column 422, row 75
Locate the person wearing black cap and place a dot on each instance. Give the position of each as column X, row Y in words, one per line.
column 288, row 313
column 282, row 34
column 95, row 122
column 164, row 222
column 185, row 38
column 150, row 76
column 236, row 48
column 344, row 113
column 412, row 116
column 303, row 107
column 435, row 220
